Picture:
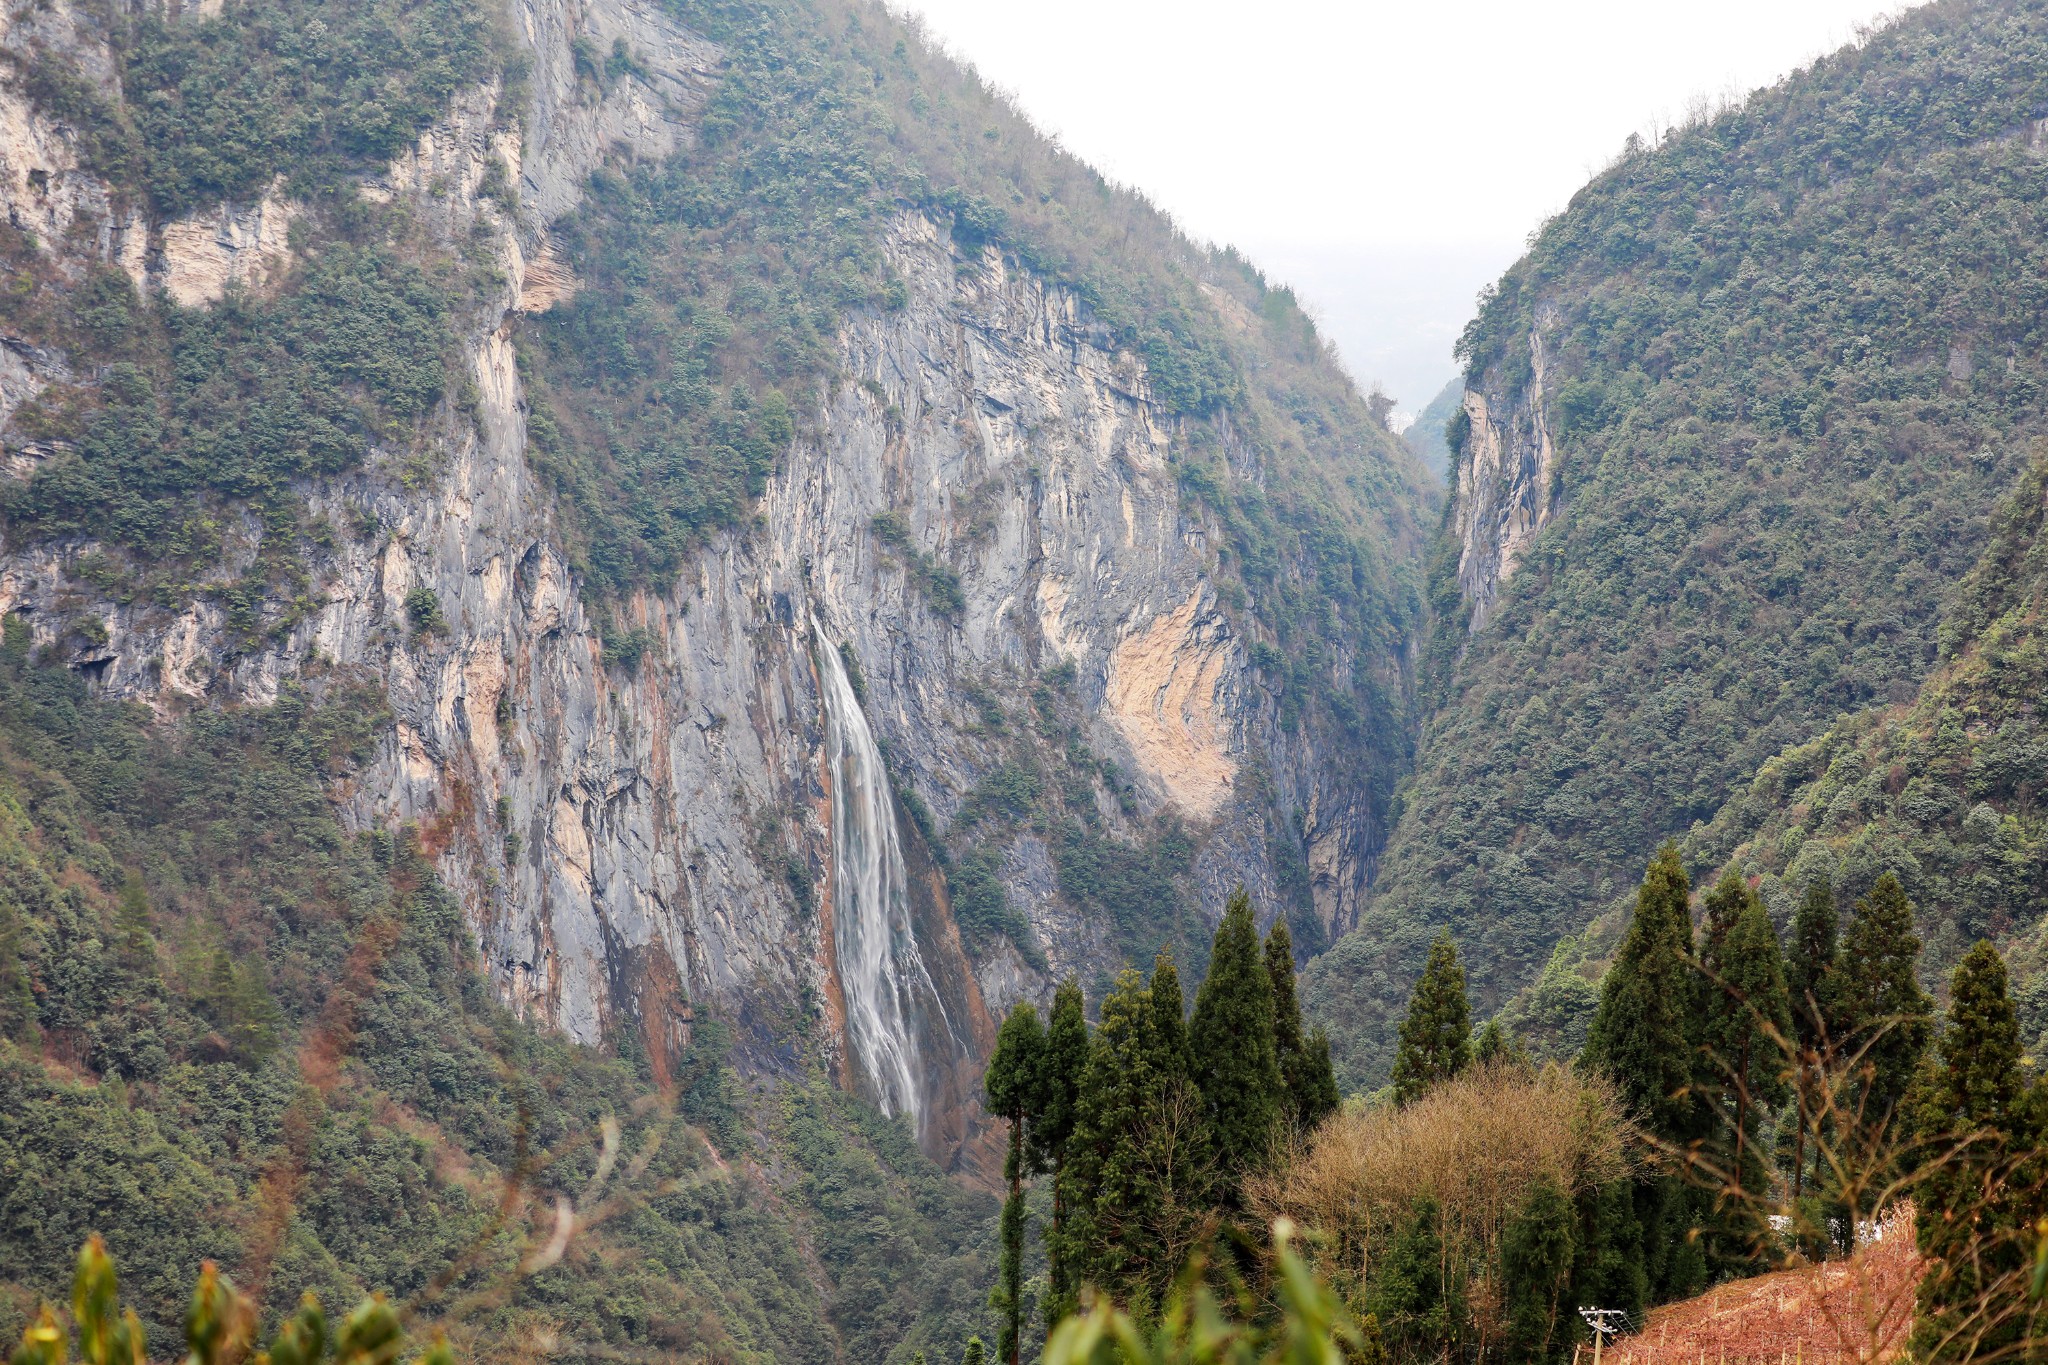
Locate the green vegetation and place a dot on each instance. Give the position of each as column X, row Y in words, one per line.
column 1942, row 792
column 198, row 416
column 1150, row 1125
column 1705, row 1134
column 714, row 286
column 312, row 90
column 218, row 1326
column 1975, row 1206
column 1791, row 357
column 1429, row 438
column 235, row 1032
column 1435, row 1040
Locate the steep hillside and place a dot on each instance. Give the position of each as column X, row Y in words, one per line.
column 810, row 565
column 1944, row 791
column 1732, row 431
column 230, row 1029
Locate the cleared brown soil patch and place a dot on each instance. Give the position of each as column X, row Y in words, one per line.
column 1856, row 1310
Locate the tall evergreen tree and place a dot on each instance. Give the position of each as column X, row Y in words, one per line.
column 1236, row 1064
column 1538, row 1253
column 1304, row 1057
column 1810, row 966
column 1436, row 1036
column 1886, row 1018
column 1014, row 1086
column 974, row 1353
column 1420, row 1305
column 1062, row 1062
column 1642, row 1038
column 1811, row 987
column 1136, row 1181
column 1641, row 1033
column 1746, row 1026
column 1975, row 1206
column 1169, row 1022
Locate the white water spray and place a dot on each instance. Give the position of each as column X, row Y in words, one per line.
column 881, row 974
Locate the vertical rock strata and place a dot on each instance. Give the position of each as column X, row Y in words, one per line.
column 634, row 843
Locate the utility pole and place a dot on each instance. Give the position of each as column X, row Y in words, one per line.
column 1604, row 1322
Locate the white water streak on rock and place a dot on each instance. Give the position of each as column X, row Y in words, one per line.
column 881, row 972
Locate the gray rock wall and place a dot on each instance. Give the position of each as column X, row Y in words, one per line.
column 622, row 836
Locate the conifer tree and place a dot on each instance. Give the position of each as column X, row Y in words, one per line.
column 1538, row 1253
column 1641, row 1034
column 974, row 1353
column 1014, row 1086
column 1435, row 1041
column 1169, row 1022
column 1063, row 1060
column 1497, row 1043
column 1811, row 987
column 1973, row 1103
column 1236, row 1065
column 1315, row 1095
column 1110, row 1183
column 1305, row 1068
column 1642, row 1038
column 1885, row 1016
column 1810, row 966
column 1420, row 1308
column 1746, row 1022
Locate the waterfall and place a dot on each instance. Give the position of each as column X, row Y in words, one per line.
column 882, row 976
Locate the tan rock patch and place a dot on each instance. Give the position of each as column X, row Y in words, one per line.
column 1163, row 698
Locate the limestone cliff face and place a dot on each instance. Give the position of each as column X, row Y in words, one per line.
column 1507, row 486
column 625, row 837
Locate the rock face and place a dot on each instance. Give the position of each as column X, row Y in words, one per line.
column 635, row 842
column 1507, row 484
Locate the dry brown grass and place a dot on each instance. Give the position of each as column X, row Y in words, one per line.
column 1474, row 1145
column 1859, row 1309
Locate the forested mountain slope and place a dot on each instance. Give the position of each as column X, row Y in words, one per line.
column 1944, row 792
column 1732, row 432
column 804, row 564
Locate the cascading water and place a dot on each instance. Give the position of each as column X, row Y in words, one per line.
column 881, row 974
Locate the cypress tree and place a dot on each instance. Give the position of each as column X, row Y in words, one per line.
column 1014, row 1087
column 1314, row 1093
column 1538, row 1253
column 1810, row 967
column 1062, row 1061
column 1436, row 1036
column 1641, row 1034
column 1304, row 1057
column 1420, row 1308
column 1169, row 1023
column 1976, row 1202
column 1114, row 1201
column 1885, row 1015
column 974, row 1352
column 1236, row 1065
column 1746, row 1027
column 1810, row 985
column 1497, row 1043
column 1181, row 1124
column 1642, row 1038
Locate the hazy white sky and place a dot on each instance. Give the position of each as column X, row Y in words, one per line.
column 1385, row 158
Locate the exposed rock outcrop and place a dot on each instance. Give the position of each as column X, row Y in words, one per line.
column 1507, row 483
column 634, row 841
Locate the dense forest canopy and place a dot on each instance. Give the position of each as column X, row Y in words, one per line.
column 1791, row 360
